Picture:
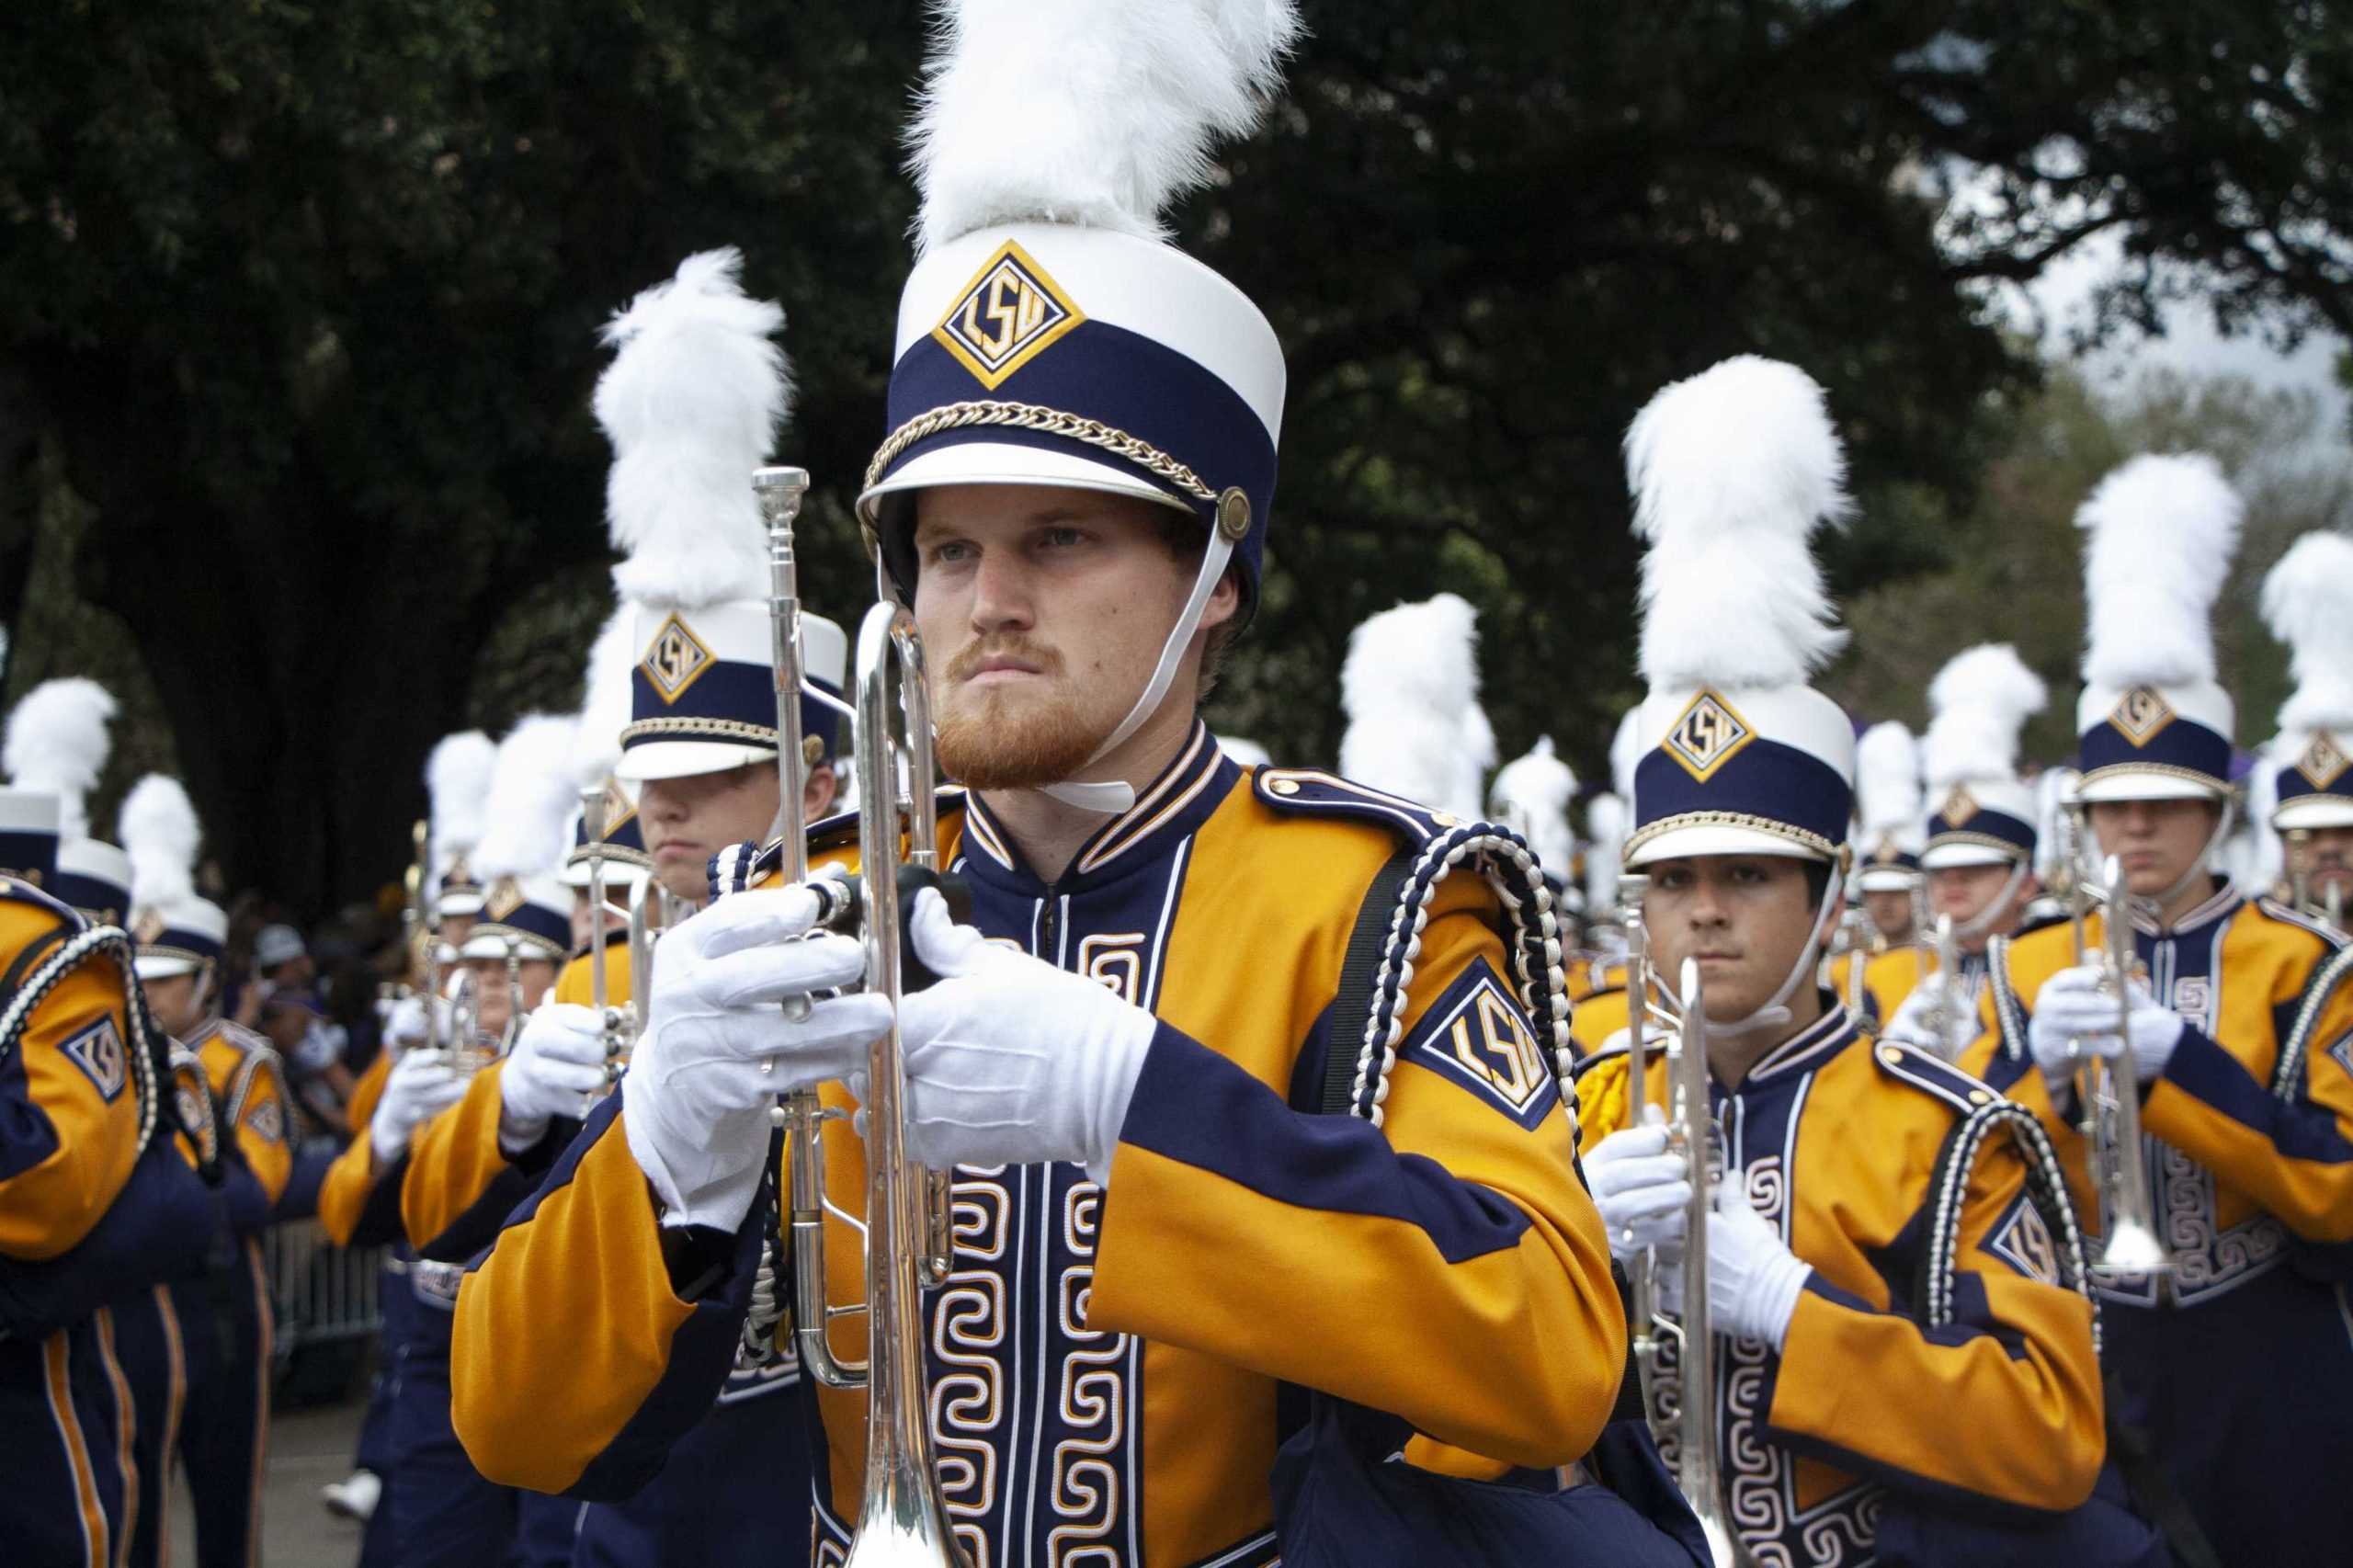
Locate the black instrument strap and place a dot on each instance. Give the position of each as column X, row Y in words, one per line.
column 2154, row 1497
column 1352, row 1002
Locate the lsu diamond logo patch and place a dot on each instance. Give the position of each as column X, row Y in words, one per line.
column 1011, row 312
column 267, row 1121
column 506, row 896
column 675, row 659
column 1708, row 735
column 2140, row 713
column 2323, row 762
column 97, row 1051
column 2024, row 1242
column 1479, row 1038
column 1958, row 807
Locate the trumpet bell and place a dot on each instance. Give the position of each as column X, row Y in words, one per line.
column 2131, row 1248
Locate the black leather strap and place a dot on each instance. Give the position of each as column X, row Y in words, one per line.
column 1344, row 1028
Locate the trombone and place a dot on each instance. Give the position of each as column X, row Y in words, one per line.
column 2111, row 1086
column 1698, row 1443
column 903, row 1518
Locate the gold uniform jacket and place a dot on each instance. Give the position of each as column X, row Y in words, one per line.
column 1835, row 1139
column 1106, row 1362
column 344, row 1190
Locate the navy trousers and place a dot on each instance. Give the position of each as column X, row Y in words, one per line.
column 226, row 1335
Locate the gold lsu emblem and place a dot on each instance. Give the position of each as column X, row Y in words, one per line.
column 148, row 930
column 1706, row 735
column 620, row 810
column 506, row 896
column 2141, row 714
column 1010, row 314
column 1958, row 807
column 675, row 659
column 2324, row 761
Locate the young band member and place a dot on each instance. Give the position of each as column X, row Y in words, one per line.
column 2307, row 773
column 1904, row 1373
column 1890, row 813
column 1151, row 1241
column 2234, row 1363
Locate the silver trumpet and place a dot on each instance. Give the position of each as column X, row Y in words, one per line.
column 1941, row 1016
column 2111, row 1086
column 617, row 1024
column 1684, row 1023
column 903, row 1518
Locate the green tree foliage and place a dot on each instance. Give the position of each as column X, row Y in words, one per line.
column 300, row 302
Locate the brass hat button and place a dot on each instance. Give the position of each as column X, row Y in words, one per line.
column 1233, row 513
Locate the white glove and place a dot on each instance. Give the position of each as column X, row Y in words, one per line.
column 2072, row 1018
column 1753, row 1279
column 1915, row 1021
column 555, row 1069
column 717, row 1049
column 1011, row 1060
column 404, row 1020
column 420, row 1086
column 1642, row 1187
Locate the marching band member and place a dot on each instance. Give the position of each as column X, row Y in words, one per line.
column 456, row 777
column 1151, row 1241
column 1890, row 812
column 1410, row 687
column 1597, row 985
column 2308, row 600
column 1979, row 859
column 1877, row 1402
column 1531, row 795
column 226, row 1320
column 2241, row 1032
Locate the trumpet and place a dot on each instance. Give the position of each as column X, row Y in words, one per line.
column 1699, row 1447
column 618, row 1026
column 903, row 1518
column 2110, row 1088
column 1947, row 948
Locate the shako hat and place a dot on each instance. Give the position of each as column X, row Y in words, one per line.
column 2152, row 721
column 457, row 782
column 524, row 843
column 29, row 837
column 1889, row 808
column 1732, row 472
column 1980, row 813
column 57, row 744
column 2308, row 602
column 174, row 931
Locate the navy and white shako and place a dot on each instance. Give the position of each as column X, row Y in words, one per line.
column 28, row 836
column 1889, row 810
column 2307, row 601
column 1980, row 812
column 174, row 931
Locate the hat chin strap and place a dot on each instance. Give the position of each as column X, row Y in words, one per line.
column 2223, row 821
column 1977, row 925
column 1113, row 796
column 1775, row 1014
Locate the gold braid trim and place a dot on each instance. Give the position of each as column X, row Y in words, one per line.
column 1797, row 835
column 1977, row 840
column 2220, row 786
column 813, row 747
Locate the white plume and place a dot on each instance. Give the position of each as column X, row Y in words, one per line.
column 1072, row 111
column 457, row 780
column 1888, row 797
column 2308, row 602
column 532, row 797
column 1732, row 472
column 1979, row 701
column 2161, row 530
column 1606, row 819
column 1409, row 686
column 1533, row 793
column 2268, row 859
column 2053, row 788
column 1626, row 750
column 1245, row 753
column 692, row 404
column 57, row 744
column 604, row 705
column 158, row 830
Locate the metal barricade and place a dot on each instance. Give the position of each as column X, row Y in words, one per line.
column 323, row 1291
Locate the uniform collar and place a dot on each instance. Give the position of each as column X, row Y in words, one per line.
column 1172, row 805
column 1809, row 1047
column 2224, row 900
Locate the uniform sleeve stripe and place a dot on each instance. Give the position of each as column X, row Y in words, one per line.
column 2201, row 1067
column 1194, row 1107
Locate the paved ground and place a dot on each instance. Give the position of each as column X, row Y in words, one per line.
column 307, row 1449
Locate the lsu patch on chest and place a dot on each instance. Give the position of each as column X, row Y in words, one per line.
column 97, row 1051
column 1477, row 1036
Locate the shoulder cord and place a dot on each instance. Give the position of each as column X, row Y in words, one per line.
column 144, row 1049
column 2288, row 1078
column 2046, row 1188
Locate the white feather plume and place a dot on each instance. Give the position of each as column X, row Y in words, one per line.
column 1606, row 821
column 457, row 780
column 2308, row 602
column 1626, row 750
column 1409, row 682
column 2161, row 530
column 1732, row 472
column 532, row 797
column 1535, row 791
column 158, row 830
column 1888, row 796
column 1979, row 701
column 57, row 744
column 2053, row 788
column 1072, row 111
column 692, row 404
column 604, row 705
column 2267, row 856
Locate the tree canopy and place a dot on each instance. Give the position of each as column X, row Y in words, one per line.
column 297, row 313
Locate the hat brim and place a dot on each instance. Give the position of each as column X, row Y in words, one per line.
column 163, row 968
column 459, row 903
column 1884, row 878
column 1954, row 857
column 2314, row 811
column 478, row 948
column 1717, row 838
column 996, row 462
column 2145, row 784
column 619, row 876
column 685, row 760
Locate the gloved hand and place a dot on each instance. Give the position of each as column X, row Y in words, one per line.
column 1753, row 1279
column 1642, row 1187
column 1011, row 1060
column 717, row 1049
column 404, row 1019
column 555, row 1069
column 420, row 1086
column 1915, row 1023
column 2074, row 1017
